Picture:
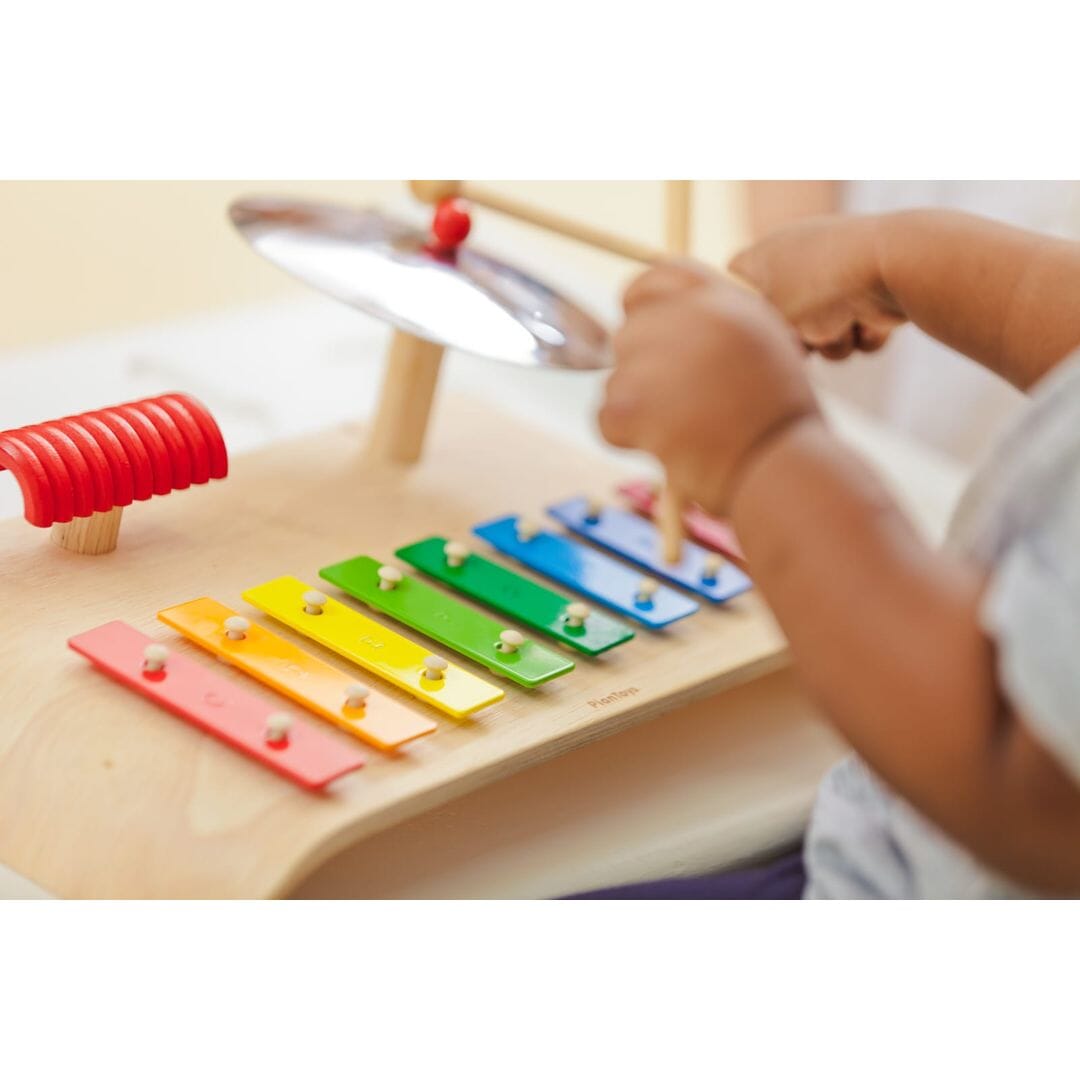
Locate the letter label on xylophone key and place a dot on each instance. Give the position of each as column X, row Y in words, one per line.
column 587, row 571
column 634, row 538
column 371, row 645
column 501, row 649
column 708, row 531
column 335, row 695
column 297, row 750
column 527, row 601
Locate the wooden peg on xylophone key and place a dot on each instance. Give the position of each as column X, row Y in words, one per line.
column 646, row 590
column 389, row 578
column 510, row 641
column 314, row 602
column 576, row 614
column 456, row 553
column 710, row 568
column 154, row 657
column 435, row 668
column 278, row 726
column 526, row 529
column 356, row 696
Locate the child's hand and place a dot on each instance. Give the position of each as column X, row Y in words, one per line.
column 823, row 275
column 706, row 374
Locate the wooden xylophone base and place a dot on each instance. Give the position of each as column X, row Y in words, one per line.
column 104, row 795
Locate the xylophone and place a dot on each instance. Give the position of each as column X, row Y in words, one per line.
column 101, row 794
column 297, row 749
column 440, row 624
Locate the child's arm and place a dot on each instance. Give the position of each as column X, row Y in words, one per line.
column 883, row 629
column 1007, row 298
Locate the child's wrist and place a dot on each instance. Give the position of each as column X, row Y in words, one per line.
column 900, row 244
column 758, row 459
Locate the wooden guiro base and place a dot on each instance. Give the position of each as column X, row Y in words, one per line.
column 93, row 535
column 104, row 795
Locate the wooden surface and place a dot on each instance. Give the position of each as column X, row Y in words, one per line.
column 102, row 794
column 706, row 786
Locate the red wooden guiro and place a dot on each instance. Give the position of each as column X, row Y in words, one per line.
column 95, row 463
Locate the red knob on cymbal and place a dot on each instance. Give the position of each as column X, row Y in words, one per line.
column 451, row 224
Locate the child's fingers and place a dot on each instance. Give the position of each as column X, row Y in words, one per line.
column 618, row 414
column 645, row 337
column 870, row 339
column 830, row 332
column 640, row 346
column 746, row 266
column 857, row 338
column 840, row 348
column 663, row 280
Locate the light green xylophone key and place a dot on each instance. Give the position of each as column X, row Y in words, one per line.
column 413, row 602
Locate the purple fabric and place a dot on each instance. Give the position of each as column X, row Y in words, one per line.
column 781, row 879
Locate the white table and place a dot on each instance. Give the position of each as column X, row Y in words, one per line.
column 711, row 784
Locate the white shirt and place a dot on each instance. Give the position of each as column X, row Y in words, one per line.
column 917, row 384
column 1020, row 519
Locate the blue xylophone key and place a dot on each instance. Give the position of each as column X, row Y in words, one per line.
column 587, row 571
column 637, row 539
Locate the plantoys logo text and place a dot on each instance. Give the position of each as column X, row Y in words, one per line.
column 610, row 699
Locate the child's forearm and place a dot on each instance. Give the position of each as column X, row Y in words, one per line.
column 885, row 632
column 771, row 204
column 1005, row 297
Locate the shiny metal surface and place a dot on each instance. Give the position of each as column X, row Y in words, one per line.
column 468, row 301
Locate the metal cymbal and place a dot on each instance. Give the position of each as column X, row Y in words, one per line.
column 467, row 300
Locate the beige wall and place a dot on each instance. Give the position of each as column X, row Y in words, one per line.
column 78, row 257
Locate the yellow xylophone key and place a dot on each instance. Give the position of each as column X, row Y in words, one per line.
column 371, row 645
column 333, row 694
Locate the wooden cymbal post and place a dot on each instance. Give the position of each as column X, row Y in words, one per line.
column 408, row 389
